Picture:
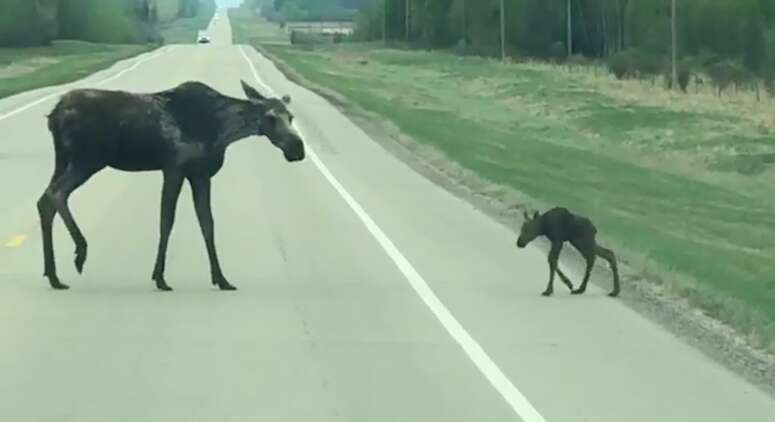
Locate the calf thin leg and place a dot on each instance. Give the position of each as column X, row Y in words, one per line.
column 71, row 179
column 173, row 181
column 609, row 256
column 554, row 255
column 564, row 278
column 47, row 211
column 590, row 259
column 200, row 187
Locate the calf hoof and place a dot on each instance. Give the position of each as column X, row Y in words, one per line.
column 578, row 291
column 614, row 293
column 547, row 293
column 80, row 259
column 56, row 284
column 161, row 284
column 224, row 285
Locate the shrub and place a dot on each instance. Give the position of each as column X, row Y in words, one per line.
column 620, row 65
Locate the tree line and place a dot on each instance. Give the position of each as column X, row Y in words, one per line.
column 309, row 10
column 731, row 40
column 37, row 22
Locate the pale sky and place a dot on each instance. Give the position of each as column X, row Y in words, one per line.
column 228, row 3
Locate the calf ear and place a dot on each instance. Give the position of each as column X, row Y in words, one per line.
column 251, row 92
column 524, row 214
column 535, row 215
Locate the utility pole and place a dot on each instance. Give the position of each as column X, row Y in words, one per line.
column 570, row 31
column 384, row 23
column 675, row 48
column 408, row 2
column 503, row 32
column 465, row 25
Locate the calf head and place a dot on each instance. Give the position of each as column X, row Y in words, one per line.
column 275, row 122
column 531, row 229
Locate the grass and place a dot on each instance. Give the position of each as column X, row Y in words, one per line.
column 23, row 69
column 681, row 184
column 259, row 30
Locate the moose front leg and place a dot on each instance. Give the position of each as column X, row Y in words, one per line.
column 564, row 279
column 200, row 187
column 173, row 181
column 554, row 255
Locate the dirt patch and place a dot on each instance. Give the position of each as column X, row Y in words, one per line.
column 20, row 68
column 647, row 295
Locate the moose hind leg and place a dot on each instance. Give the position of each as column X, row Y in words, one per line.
column 609, row 256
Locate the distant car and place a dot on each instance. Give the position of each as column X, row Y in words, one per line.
column 203, row 39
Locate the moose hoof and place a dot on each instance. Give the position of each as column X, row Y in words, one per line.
column 224, row 285
column 57, row 285
column 547, row 293
column 613, row 294
column 578, row 292
column 161, row 284
column 163, row 287
column 80, row 259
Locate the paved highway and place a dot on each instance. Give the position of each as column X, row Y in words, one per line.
column 366, row 293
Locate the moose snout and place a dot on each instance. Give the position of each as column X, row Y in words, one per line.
column 294, row 149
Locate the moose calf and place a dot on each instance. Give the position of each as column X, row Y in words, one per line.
column 560, row 225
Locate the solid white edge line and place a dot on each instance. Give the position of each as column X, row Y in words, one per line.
column 518, row 402
column 98, row 83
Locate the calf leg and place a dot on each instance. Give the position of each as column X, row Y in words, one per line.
column 55, row 200
column 589, row 257
column 609, row 256
column 554, row 255
column 47, row 211
column 200, row 187
column 70, row 181
column 173, row 181
column 564, row 279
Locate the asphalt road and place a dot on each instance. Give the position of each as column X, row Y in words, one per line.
column 366, row 293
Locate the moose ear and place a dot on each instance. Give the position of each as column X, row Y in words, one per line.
column 251, row 92
column 286, row 99
column 535, row 215
column 524, row 214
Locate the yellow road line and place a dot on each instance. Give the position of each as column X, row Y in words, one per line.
column 16, row 241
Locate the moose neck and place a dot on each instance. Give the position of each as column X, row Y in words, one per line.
column 233, row 123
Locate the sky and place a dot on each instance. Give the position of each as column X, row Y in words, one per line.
column 228, row 3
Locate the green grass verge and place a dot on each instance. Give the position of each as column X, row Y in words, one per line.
column 248, row 29
column 23, row 69
column 673, row 182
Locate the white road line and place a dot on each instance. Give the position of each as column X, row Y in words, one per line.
column 518, row 402
column 102, row 82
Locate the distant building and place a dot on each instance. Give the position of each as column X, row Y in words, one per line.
column 325, row 28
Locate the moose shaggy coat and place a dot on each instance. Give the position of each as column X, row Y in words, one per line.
column 559, row 226
column 182, row 132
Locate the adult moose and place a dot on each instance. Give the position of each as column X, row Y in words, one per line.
column 183, row 132
column 560, row 225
